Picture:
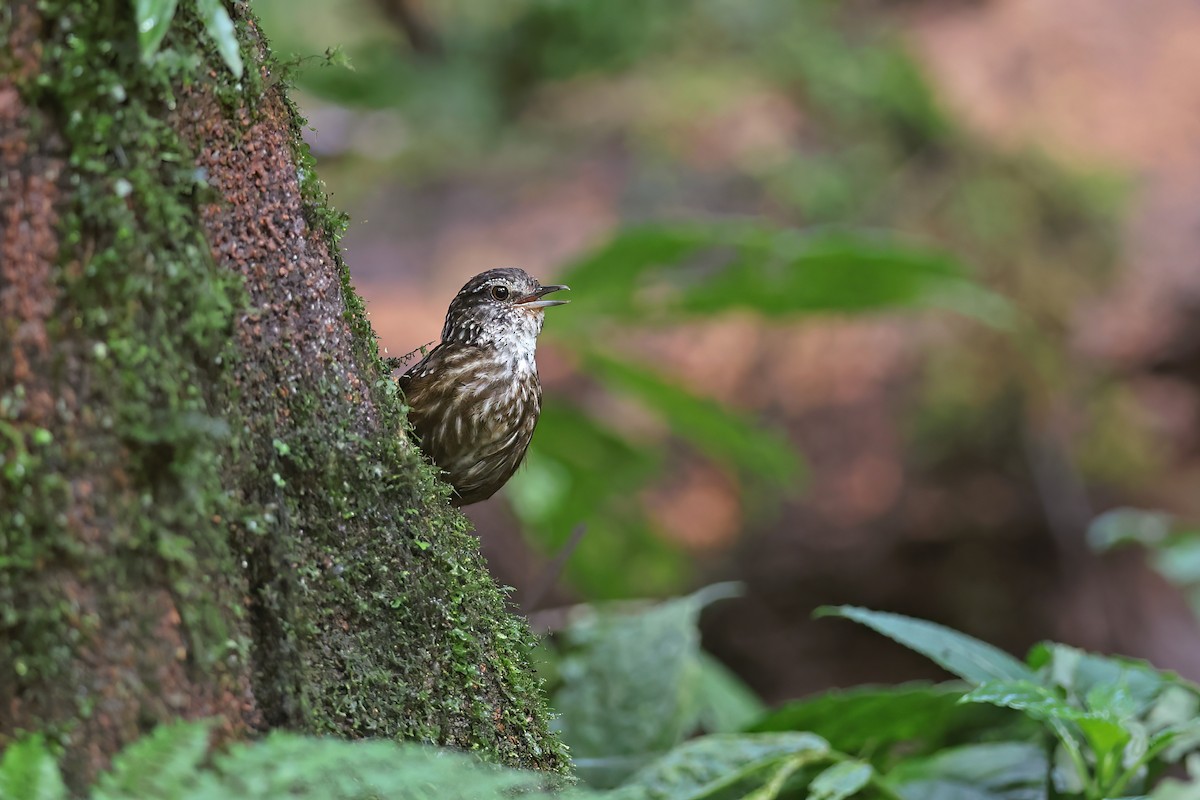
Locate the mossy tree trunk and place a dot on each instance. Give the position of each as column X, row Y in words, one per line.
column 207, row 506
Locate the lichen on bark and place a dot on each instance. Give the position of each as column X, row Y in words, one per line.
column 210, row 506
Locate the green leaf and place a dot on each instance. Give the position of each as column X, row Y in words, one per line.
column 311, row 768
column 1104, row 736
column 614, row 274
column 970, row 659
column 1107, row 726
column 777, row 777
column 1114, row 700
column 1081, row 674
column 996, row 771
column 1028, row 697
column 29, row 772
column 1102, row 727
column 158, row 765
column 721, row 433
column 630, row 687
column 153, row 19
column 219, row 28
column 840, row 781
column 657, row 273
column 702, row 767
column 868, row 720
column 726, row 703
column 786, row 273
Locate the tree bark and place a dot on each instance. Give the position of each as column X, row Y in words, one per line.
column 208, row 507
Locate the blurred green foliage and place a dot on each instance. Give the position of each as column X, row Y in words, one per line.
column 517, row 88
column 655, row 276
column 628, row 683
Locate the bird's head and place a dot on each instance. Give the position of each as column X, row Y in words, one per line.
column 500, row 307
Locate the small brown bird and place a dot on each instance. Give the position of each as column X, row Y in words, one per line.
column 475, row 399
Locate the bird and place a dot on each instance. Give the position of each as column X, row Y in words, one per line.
column 474, row 400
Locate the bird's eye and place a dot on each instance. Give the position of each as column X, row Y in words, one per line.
column 500, row 292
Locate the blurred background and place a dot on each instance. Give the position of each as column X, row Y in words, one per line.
column 879, row 303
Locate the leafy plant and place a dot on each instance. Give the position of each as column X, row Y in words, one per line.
column 614, row 724
column 172, row 763
column 154, row 19
column 650, row 715
column 1116, row 721
column 1063, row 723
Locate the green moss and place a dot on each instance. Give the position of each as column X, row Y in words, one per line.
column 142, row 322
column 393, row 573
column 393, row 614
column 373, row 613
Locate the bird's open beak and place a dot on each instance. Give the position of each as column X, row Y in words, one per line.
column 534, row 299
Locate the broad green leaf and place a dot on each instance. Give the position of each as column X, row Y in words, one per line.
column 726, row 703
column 777, row 777
column 1028, row 697
column 630, row 687
column 29, row 772
column 311, row 768
column 996, row 771
column 840, row 781
column 970, row 659
column 153, row 19
column 1124, row 710
column 1102, row 728
column 1113, row 700
column 1104, row 736
column 654, row 274
column 721, row 433
column 614, row 275
column 869, row 720
column 701, row 767
column 219, row 28
column 781, row 273
column 1081, row 673
column 158, row 765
